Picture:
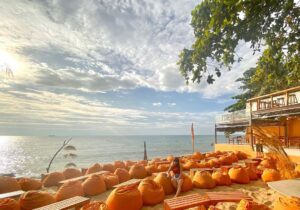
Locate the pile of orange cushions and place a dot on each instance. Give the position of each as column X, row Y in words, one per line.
column 165, row 182
column 150, row 169
column 239, row 175
column 9, row 204
column 110, row 180
column 94, row 168
column 270, row 175
column 70, row 173
column 94, row 185
column 203, row 180
column 221, row 178
column 53, row 179
column 287, row 203
column 35, row 199
column 30, row 184
column 95, row 205
column 69, row 190
column 8, row 184
column 138, row 172
column 122, row 174
column 128, row 197
column 152, row 193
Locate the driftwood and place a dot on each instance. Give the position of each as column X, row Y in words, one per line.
column 64, row 144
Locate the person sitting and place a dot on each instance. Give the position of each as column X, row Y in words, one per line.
column 175, row 172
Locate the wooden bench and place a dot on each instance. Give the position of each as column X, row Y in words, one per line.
column 75, row 202
column 14, row 194
column 80, row 178
column 226, row 196
column 184, row 202
column 129, row 182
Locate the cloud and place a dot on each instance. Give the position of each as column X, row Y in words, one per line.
column 157, row 104
column 171, row 104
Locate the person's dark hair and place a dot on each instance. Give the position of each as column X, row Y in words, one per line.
column 176, row 160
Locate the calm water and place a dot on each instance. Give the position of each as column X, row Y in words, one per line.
column 29, row 156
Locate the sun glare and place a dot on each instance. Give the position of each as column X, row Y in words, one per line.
column 8, row 63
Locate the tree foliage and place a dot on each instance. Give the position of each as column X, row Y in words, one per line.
column 220, row 25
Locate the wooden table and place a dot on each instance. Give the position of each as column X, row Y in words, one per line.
column 75, row 202
column 129, row 182
column 184, row 202
column 13, row 194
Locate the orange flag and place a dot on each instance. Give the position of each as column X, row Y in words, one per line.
column 193, row 137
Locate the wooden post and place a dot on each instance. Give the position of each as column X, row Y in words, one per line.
column 216, row 140
column 251, row 131
column 287, row 98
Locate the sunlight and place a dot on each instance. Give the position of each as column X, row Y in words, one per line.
column 8, row 63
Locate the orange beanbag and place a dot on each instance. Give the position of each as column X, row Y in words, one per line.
column 197, row 155
column 151, row 169
column 225, row 160
column 9, row 204
column 138, row 172
column 143, row 162
column 221, row 178
column 251, row 205
column 8, row 184
column 69, row 190
column 70, row 173
column 270, row 175
column 241, row 155
column 119, row 164
column 35, row 199
column 94, row 185
column 163, row 167
column 189, row 164
column 203, row 180
column 165, row 182
column 287, row 203
column 170, row 158
column 239, row 175
column 108, row 167
column 252, row 173
column 110, row 180
column 214, row 163
column 122, row 174
column 267, row 163
column 126, row 196
column 152, row 193
column 297, row 169
column 187, row 183
column 129, row 163
column 95, row 205
column 94, row 168
column 30, row 184
column 53, row 179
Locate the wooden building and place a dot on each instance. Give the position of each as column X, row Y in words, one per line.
column 276, row 115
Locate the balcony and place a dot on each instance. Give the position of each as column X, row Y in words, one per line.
column 233, row 119
column 282, row 103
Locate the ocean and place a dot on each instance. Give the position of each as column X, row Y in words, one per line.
column 30, row 156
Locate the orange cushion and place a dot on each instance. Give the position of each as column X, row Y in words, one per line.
column 70, row 173
column 95, row 205
column 110, row 180
column 126, row 196
column 239, row 175
column 8, row 184
column 165, row 182
column 270, row 175
column 138, row 172
column 108, row 167
column 94, row 168
column 203, row 179
column 30, row 184
column 94, row 185
column 251, row 205
column 187, row 183
column 152, row 193
column 221, row 178
column 119, row 164
column 53, row 179
column 69, row 190
column 35, row 199
column 122, row 174
column 287, row 203
column 9, row 204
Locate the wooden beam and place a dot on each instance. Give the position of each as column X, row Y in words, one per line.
column 216, row 141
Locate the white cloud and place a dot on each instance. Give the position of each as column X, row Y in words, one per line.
column 171, row 104
column 157, row 104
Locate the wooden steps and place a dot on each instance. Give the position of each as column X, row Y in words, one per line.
column 226, row 196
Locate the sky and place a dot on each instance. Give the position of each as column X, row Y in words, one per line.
column 105, row 67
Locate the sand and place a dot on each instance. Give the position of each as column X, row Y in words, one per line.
column 258, row 190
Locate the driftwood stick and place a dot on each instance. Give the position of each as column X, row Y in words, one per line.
column 64, row 144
